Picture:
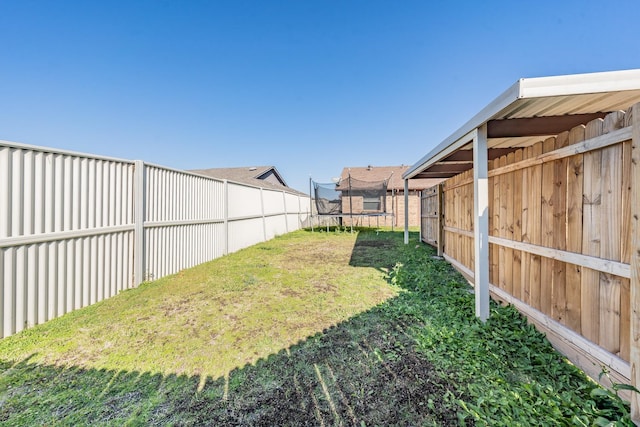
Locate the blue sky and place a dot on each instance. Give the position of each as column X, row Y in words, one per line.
column 309, row 86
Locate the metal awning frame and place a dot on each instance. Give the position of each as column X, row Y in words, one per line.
column 538, row 103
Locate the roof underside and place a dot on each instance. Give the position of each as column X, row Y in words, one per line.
column 531, row 111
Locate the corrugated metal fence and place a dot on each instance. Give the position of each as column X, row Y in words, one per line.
column 76, row 229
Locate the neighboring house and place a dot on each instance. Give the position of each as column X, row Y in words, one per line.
column 259, row 176
column 394, row 202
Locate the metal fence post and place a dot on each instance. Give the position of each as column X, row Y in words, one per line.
column 406, row 211
column 226, row 216
column 286, row 216
column 264, row 219
column 138, row 221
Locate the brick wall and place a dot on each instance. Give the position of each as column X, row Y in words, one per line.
column 394, row 204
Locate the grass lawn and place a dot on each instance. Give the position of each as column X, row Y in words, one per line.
column 324, row 328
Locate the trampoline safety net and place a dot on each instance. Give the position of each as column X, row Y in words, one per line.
column 351, row 197
column 328, row 199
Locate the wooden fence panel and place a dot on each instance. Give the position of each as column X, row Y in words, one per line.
column 568, row 210
column 429, row 216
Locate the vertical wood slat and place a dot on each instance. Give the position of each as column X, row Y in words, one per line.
column 625, row 249
column 610, row 246
column 546, row 232
column 457, row 220
column 491, row 217
column 468, row 206
column 517, row 228
column 573, row 274
column 559, row 202
column 447, row 218
column 635, row 261
column 495, row 228
column 535, row 212
column 526, row 229
column 509, row 229
column 440, row 222
column 502, row 230
column 590, row 302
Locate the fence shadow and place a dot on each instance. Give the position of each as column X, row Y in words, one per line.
column 363, row 370
column 377, row 249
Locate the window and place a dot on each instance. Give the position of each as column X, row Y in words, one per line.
column 371, row 204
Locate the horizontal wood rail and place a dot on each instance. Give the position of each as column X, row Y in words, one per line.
column 602, row 141
column 455, row 230
column 604, row 265
column 572, row 344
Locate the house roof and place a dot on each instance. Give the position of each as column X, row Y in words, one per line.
column 242, row 174
column 530, row 111
column 251, row 175
column 391, row 173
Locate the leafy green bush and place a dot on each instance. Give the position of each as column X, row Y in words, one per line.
column 505, row 371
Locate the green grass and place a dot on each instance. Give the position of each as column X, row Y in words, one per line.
column 324, row 328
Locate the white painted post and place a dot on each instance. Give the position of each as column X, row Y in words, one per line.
column 481, row 223
column 286, row 215
column 406, row 211
column 226, row 216
column 138, row 221
column 440, row 220
column 299, row 212
column 264, row 219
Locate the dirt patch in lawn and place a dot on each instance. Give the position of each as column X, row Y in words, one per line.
column 363, row 372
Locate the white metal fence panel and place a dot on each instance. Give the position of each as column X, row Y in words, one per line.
column 244, row 201
column 274, row 203
column 275, row 226
column 65, row 232
column 184, row 221
column 246, row 232
column 295, row 209
column 76, row 228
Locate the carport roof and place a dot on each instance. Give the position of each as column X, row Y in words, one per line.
column 531, row 110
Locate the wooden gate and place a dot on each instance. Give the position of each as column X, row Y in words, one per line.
column 431, row 217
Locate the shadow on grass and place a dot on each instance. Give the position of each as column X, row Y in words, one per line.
column 362, row 372
column 421, row 358
column 376, row 249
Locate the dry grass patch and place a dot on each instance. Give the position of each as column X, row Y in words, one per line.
column 215, row 317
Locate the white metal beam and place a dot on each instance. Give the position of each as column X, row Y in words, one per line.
column 481, row 222
column 530, row 88
column 406, row 211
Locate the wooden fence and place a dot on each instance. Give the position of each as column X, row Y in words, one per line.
column 431, row 230
column 560, row 237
